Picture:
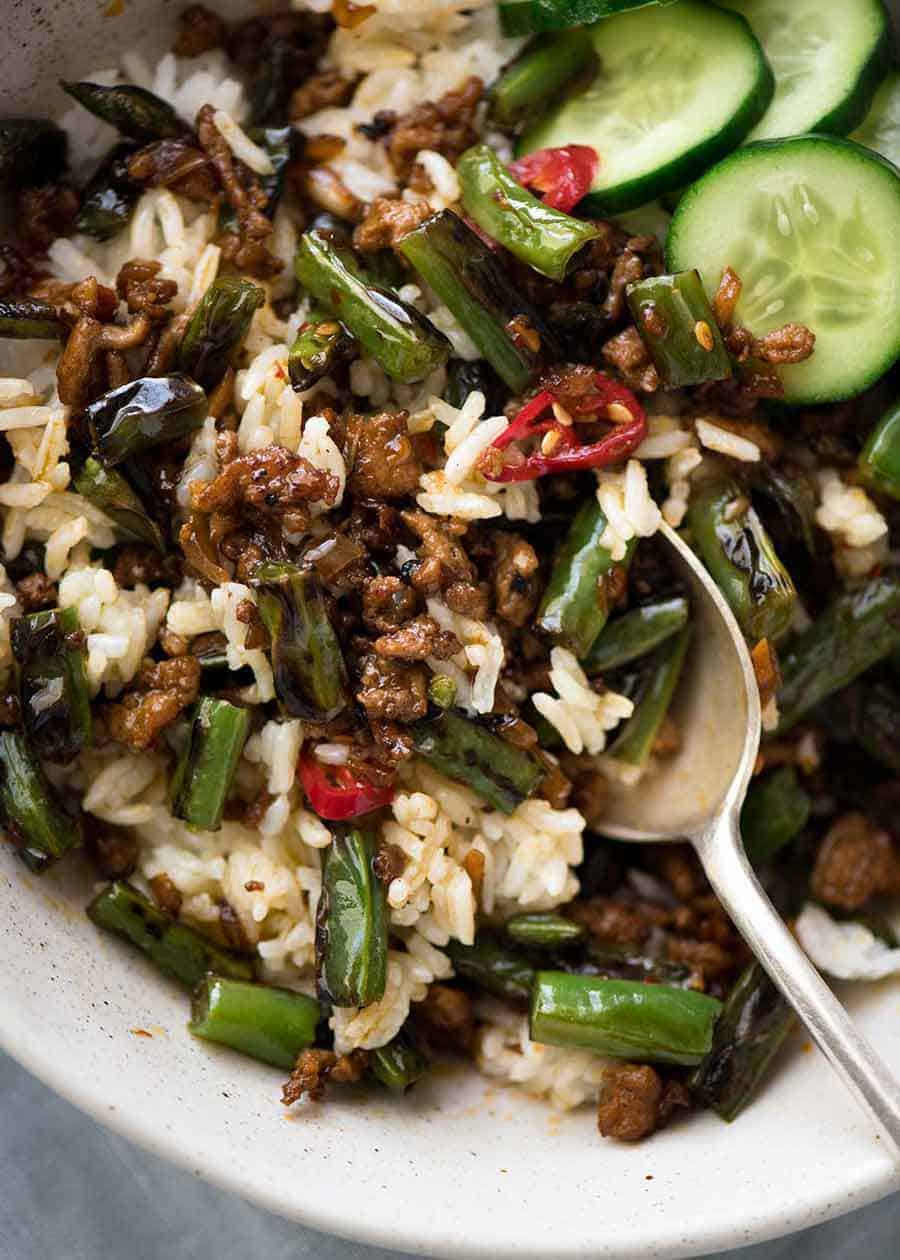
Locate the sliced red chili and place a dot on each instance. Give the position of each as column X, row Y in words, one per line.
column 336, row 794
column 564, row 452
column 563, row 176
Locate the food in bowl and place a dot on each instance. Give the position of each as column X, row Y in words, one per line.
column 351, row 363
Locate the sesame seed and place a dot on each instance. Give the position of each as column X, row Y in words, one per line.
column 619, row 413
column 703, row 334
column 562, row 416
column 550, row 441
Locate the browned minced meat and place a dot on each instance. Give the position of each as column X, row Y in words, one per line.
column 611, row 920
column 387, row 602
column 726, row 298
column 590, row 795
column 43, row 214
column 383, row 458
column 634, row 1101
column 856, row 862
column 270, row 482
column 677, row 864
column 393, row 690
column 160, row 692
column 389, row 863
column 142, row 289
column 515, row 576
column 445, row 1017
column 200, row 30
column 136, row 562
column 468, row 599
column 232, row 928
column 113, row 852
column 438, row 545
column 792, row 343
column 315, row 1067
column 177, row 164
column 417, row 640
column 253, row 815
column 387, row 221
column 248, row 614
column 445, row 126
column 319, row 91
column 36, row 591
column 627, row 353
column 708, row 958
column 88, row 305
column 627, row 269
column 165, row 894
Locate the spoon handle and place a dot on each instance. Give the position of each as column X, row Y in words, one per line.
column 863, row 1071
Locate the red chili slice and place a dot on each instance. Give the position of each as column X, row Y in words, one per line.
column 567, row 453
column 336, row 794
column 563, row 176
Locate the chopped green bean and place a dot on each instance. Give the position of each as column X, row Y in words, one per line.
column 148, row 412
column 281, row 146
column 879, row 462
column 108, row 490
column 51, row 678
column 635, row 743
column 36, row 823
column 26, row 318
column 497, row 968
column 203, row 777
column 351, row 923
column 321, row 344
column 133, row 111
column 636, row 633
column 775, row 811
column 544, row 930
column 109, row 197
column 266, row 1023
column 217, row 329
column 539, row 76
column 676, row 322
column 398, row 1065
column 462, row 749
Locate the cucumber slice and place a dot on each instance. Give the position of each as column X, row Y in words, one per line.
column 523, row 17
column 881, row 130
column 811, row 225
column 829, row 57
column 676, row 89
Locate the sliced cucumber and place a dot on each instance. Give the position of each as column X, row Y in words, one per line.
column 829, row 57
column 881, row 130
column 522, row 17
column 811, row 225
column 676, row 89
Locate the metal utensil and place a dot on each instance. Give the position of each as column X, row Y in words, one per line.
column 697, row 796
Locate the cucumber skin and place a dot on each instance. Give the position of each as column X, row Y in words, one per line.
column 675, row 262
column 528, row 17
column 688, row 167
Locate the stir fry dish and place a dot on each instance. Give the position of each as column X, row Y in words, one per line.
column 352, row 359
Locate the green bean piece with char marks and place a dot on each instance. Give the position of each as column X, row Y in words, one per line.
column 108, row 490
column 751, row 1029
column 662, row 672
column 109, row 196
column 624, row 1019
column 500, row 773
column 41, row 830
column 636, row 633
column 320, row 345
column 51, row 680
column 133, row 111
column 395, row 334
column 544, row 930
column 575, row 605
column 173, row 947
column 32, row 151
column 217, row 329
column 203, row 776
column 259, row 1020
column 876, row 724
column 775, row 811
column 860, row 627
column 543, row 73
column 737, row 550
column 476, row 288
column 145, row 413
column 495, row 967
column 544, row 238
column 676, row 322
column 398, row 1065
column 281, row 146
column 351, row 923
column 879, row 462
column 26, row 319
column 310, row 674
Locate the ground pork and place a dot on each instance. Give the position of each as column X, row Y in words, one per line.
column 160, row 692
column 316, row 1067
column 445, row 126
column 393, row 690
column 855, row 863
column 384, row 460
column 417, row 640
column 634, row 1101
column 387, row 221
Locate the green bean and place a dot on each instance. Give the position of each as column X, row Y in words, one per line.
column 109, row 196
column 539, row 76
column 211, row 650
column 463, row 377
column 133, row 111
column 266, row 1023
column 738, row 552
column 544, row 930
column 402, row 341
column 475, row 287
column 217, row 329
column 500, row 773
column 281, row 146
column 351, row 923
column 32, row 151
column 857, row 629
column 309, row 669
column 108, row 490
column 51, row 680
column 398, row 1065
column 877, row 724
column 622, row 1018
column 173, row 947
column 751, row 1029
column 575, row 606
column 793, row 498
column 24, row 319
column 636, row 633
column 203, row 776
column 544, row 238
column 494, row 967
column 775, row 811
column 321, row 344
column 635, row 743
column 879, row 462
column 36, row 823
column 621, row 963
column 151, row 411
column 677, row 325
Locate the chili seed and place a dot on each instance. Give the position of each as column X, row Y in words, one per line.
column 703, row 333
column 619, row 413
column 550, row 441
column 562, row 416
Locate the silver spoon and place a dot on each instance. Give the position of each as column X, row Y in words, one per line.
column 697, row 796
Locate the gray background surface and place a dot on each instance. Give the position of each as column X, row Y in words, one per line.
column 72, row 1189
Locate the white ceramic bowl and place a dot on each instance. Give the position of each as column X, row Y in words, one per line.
column 460, row 1168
